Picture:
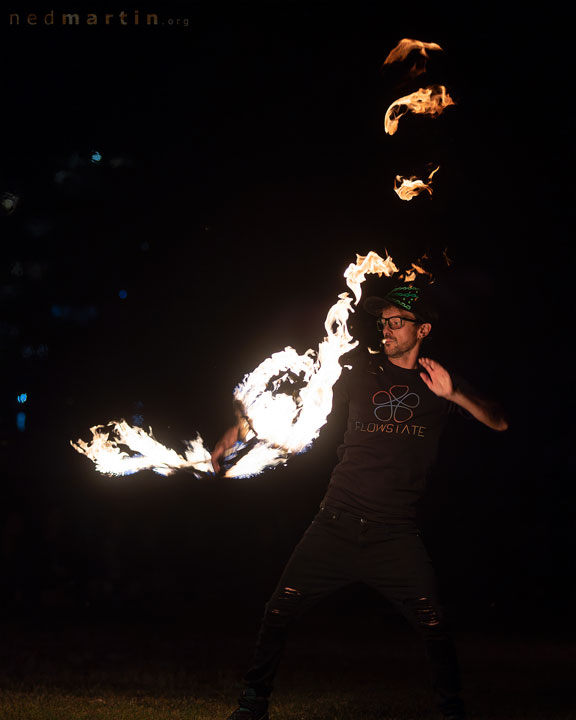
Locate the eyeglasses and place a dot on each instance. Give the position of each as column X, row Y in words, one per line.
column 394, row 323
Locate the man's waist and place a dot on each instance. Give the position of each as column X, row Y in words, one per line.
column 335, row 512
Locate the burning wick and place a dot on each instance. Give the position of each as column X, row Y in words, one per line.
column 278, row 424
column 405, row 47
column 408, row 188
column 425, row 101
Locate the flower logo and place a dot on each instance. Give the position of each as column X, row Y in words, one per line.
column 396, row 404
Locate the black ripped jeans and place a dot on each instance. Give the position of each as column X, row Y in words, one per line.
column 338, row 549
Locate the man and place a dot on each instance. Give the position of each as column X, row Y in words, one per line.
column 366, row 527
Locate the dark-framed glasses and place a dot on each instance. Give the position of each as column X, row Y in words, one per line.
column 394, row 323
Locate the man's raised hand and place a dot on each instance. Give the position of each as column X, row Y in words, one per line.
column 436, row 378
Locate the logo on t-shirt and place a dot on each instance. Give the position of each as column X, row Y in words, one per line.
column 395, row 404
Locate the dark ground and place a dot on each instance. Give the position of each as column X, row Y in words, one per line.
column 368, row 660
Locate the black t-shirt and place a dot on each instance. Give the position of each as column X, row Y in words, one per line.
column 391, row 441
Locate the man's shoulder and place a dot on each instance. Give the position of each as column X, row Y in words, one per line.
column 360, row 360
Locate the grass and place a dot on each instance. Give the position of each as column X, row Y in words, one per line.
column 54, row 705
column 367, row 669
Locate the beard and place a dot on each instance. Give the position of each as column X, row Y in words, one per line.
column 394, row 348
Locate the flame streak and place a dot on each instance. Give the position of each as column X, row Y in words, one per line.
column 408, row 188
column 281, row 424
column 405, row 47
column 289, row 424
column 431, row 100
column 149, row 454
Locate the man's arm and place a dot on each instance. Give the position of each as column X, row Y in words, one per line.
column 240, row 429
column 440, row 383
column 231, row 436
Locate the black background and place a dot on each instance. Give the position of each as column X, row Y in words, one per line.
column 244, row 165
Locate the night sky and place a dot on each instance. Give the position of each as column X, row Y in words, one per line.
column 180, row 201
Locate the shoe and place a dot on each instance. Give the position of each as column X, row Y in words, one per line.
column 454, row 715
column 453, row 709
column 250, row 707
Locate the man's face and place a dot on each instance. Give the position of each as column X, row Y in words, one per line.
column 402, row 340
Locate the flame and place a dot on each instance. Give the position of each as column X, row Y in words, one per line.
column 431, row 100
column 405, row 47
column 371, row 264
column 290, row 423
column 408, row 188
column 416, row 269
column 148, row 453
column 280, row 423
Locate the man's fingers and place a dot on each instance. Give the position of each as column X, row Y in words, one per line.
column 426, row 379
column 428, row 363
column 433, row 367
column 226, row 442
column 425, row 362
column 219, row 452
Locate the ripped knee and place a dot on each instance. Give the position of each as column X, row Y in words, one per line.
column 425, row 612
column 283, row 606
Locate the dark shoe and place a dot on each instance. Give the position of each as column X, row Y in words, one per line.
column 452, row 708
column 250, row 707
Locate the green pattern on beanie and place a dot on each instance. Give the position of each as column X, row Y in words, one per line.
column 404, row 296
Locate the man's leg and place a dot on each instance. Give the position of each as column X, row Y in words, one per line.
column 398, row 566
column 322, row 562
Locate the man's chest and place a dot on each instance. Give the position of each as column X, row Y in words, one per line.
column 399, row 406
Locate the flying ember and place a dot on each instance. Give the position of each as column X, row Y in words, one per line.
column 431, row 100
column 278, row 424
column 408, row 188
column 405, row 47
column 413, row 271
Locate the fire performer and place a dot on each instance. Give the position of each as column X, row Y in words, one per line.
column 366, row 529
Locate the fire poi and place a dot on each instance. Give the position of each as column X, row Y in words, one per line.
column 277, row 425
column 432, row 100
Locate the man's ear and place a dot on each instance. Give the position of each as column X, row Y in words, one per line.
column 424, row 330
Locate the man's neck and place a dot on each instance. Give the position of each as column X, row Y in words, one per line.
column 408, row 361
